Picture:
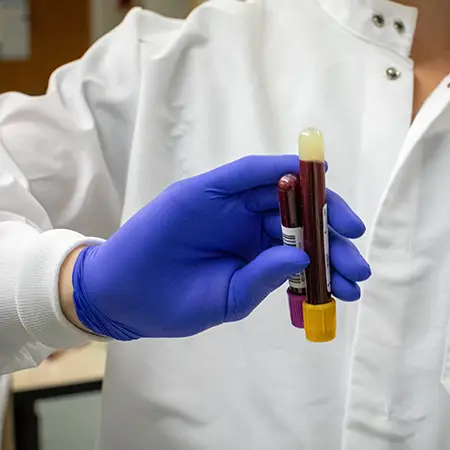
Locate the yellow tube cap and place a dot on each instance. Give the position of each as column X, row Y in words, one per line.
column 320, row 321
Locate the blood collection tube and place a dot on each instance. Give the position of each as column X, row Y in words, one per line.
column 319, row 308
column 291, row 225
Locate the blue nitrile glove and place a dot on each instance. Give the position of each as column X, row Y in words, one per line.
column 207, row 250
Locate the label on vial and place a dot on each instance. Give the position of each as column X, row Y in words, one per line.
column 294, row 238
column 326, row 246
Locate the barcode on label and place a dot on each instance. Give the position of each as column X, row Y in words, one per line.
column 298, row 281
column 289, row 240
column 293, row 237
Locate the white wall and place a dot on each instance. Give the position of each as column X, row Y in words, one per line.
column 172, row 8
column 105, row 14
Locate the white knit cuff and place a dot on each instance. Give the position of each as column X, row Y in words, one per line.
column 37, row 295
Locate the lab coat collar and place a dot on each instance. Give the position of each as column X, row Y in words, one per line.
column 357, row 16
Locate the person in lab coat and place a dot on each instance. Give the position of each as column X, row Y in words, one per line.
column 158, row 100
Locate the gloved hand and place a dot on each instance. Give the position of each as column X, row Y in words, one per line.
column 207, row 250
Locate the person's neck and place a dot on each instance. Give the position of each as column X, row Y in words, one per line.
column 431, row 47
column 432, row 37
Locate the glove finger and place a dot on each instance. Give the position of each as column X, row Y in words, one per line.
column 251, row 172
column 251, row 284
column 344, row 289
column 272, row 226
column 346, row 259
column 260, row 199
column 342, row 218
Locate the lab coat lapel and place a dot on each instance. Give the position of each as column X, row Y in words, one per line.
column 395, row 394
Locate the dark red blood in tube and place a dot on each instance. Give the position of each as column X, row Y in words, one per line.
column 291, row 219
column 289, row 200
column 313, row 194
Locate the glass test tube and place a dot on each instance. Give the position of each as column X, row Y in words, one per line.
column 291, row 225
column 319, row 308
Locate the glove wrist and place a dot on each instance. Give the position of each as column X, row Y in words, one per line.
column 87, row 313
column 66, row 289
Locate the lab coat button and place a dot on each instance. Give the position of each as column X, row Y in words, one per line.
column 392, row 73
column 399, row 26
column 378, row 20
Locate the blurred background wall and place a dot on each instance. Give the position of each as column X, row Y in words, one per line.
column 36, row 37
column 59, row 31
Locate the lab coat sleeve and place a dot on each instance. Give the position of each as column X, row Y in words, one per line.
column 63, row 168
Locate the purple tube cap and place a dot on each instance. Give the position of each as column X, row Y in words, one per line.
column 296, row 308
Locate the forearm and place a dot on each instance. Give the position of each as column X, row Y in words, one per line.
column 64, row 164
column 65, row 288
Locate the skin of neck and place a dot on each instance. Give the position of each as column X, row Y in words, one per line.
column 432, row 37
column 431, row 48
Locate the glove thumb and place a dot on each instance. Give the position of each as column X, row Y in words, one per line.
column 250, row 285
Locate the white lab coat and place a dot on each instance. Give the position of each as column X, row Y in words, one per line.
column 160, row 99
